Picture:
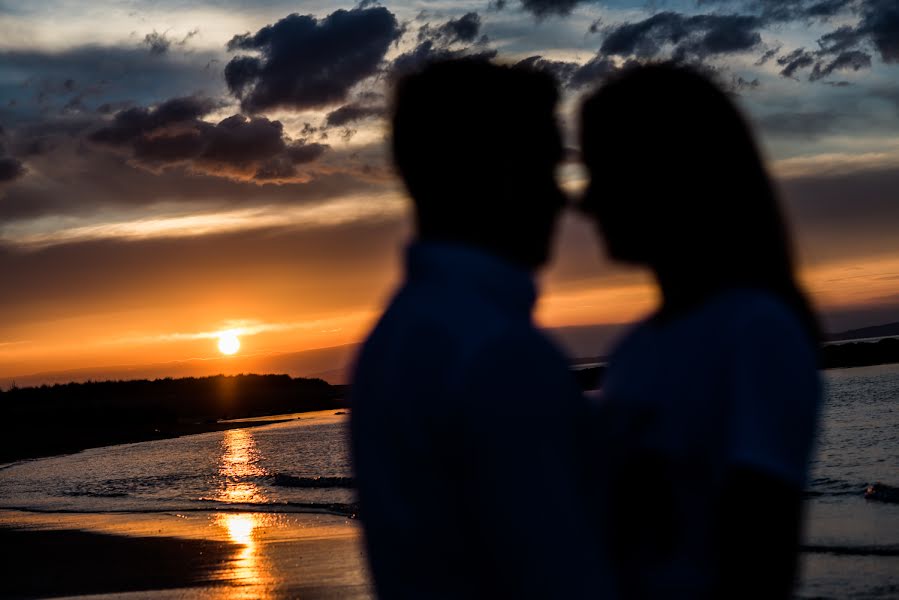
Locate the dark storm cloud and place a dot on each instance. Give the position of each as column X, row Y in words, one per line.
column 545, row 8
column 788, row 10
column 10, row 169
column 768, row 55
column 880, row 22
column 574, row 75
column 740, row 84
column 839, row 52
column 78, row 179
column 822, row 8
column 304, row 62
column 351, row 113
column 428, row 51
column 444, row 42
column 562, row 71
column 43, row 82
column 132, row 123
column 463, row 29
column 879, row 26
column 698, row 36
column 846, row 47
column 594, row 71
column 236, row 147
column 849, row 60
column 795, row 60
column 838, row 40
column 157, row 43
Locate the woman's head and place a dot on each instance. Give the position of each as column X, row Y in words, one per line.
column 675, row 173
column 678, row 184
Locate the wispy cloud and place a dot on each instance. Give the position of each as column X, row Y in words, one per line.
column 835, row 163
column 49, row 231
column 246, row 328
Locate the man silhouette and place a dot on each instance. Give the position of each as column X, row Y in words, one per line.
column 464, row 421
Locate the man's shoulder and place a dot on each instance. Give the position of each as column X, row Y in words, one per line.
column 445, row 327
column 457, row 328
column 459, row 314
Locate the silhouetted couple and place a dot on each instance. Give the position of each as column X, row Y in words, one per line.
column 483, row 471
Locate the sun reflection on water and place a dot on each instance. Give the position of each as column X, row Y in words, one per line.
column 239, row 466
column 248, row 567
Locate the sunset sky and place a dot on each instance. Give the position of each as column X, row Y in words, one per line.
column 170, row 170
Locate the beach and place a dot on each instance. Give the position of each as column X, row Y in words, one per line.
column 239, row 555
column 268, row 511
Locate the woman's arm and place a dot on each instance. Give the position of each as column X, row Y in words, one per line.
column 773, row 400
column 758, row 526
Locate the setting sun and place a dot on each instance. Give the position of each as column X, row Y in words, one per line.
column 229, row 343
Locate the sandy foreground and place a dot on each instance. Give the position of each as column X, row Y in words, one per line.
column 196, row 555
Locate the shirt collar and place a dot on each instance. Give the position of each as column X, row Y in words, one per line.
column 461, row 264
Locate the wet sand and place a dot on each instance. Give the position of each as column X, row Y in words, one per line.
column 201, row 555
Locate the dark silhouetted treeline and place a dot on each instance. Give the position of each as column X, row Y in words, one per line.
column 860, row 354
column 47, row 420
column 833, row 356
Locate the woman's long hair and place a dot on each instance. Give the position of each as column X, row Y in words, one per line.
column 687, row 181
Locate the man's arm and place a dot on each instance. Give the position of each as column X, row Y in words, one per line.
column 525, row 474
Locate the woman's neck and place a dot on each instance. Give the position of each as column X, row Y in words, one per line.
column 683, row 290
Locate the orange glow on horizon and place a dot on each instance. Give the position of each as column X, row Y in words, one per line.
column 269, row 326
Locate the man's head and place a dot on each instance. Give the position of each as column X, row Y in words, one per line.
column 477, row 145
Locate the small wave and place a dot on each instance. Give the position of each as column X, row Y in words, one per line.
column 820, row 494
column 282, row 480
column 821, row 487
column 349, row 509
column 89, row 494
column 880, row 492
column 891, row 550
column 345, row 509
column 875, row 492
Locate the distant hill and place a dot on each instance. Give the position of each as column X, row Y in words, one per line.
column 887, row 330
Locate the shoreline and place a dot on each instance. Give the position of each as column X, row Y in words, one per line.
column 180, row 430
column 49, row 563
column 172, row 432
column 204, row 555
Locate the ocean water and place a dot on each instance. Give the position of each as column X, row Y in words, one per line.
column 855, row 541
column 304, row 466
column 298, row 466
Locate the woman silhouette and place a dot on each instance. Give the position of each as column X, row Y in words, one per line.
column 707, row 413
